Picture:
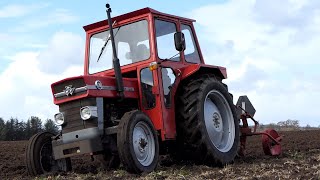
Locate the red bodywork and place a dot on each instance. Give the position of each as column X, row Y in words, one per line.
column 106, row 81
column 162, row 117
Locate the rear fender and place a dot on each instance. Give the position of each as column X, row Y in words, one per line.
column 201, row 68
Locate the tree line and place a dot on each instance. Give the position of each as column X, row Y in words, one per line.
column 15, row 130
column 288, row 125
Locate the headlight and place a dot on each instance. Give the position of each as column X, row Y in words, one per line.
column 59, row 118
column 88, row 112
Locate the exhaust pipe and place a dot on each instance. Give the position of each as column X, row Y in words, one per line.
column 116, row 63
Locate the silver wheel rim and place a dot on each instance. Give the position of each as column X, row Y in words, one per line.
column 143, row 143
column 219, row 121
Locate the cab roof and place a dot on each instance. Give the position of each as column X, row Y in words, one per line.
column 139, row 12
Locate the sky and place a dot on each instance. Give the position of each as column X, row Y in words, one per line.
column 270, row 49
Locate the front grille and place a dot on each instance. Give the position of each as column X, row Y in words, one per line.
column 73, row 121
column 76, row 83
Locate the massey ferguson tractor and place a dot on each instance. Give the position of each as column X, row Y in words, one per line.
column 145, row 91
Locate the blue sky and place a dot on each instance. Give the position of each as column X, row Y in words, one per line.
column 270, row 49
column 34, row 23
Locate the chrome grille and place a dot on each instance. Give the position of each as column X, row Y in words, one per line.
column 75, row 83
column 73, row 121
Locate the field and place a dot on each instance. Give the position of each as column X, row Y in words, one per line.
column 300, row 160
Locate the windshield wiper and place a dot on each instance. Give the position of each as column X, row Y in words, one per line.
column 167, row 59
column 108, row 39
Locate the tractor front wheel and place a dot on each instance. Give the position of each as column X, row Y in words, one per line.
column 137, row 143
column 39, row 156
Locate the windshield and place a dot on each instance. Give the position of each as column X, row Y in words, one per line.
column 132, row 45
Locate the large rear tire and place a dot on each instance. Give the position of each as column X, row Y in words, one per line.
column 137, row 143
column 39, row 156
column 207, row 125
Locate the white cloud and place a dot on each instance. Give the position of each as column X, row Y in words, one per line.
column 64, row 49
column 271, row 52
column 18, row 10
column 56, row 17
column 25, row 87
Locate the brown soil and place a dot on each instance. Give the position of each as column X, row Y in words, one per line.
column 300, row 160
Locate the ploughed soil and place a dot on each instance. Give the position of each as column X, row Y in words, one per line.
column 300, row 160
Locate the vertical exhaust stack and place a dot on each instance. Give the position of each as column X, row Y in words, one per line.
column 116, row 63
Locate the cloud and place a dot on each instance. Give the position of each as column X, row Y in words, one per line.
column 271, row 53
column 25, row 87
column 55, row 17
column 18, row 10
column 64, row 49
column 286, row 13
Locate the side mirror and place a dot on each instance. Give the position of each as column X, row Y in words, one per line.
column 179, row 41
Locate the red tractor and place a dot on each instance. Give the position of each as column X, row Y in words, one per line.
column 145, row 90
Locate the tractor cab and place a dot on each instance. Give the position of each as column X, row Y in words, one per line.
column 141, row 37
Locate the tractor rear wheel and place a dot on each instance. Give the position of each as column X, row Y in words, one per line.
column 207, row 126
column 137, row 143
column 39, row 156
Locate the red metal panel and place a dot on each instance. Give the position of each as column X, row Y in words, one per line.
column 131, row 15
column 106, row 81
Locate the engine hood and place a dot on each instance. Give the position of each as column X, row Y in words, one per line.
column 73, row 88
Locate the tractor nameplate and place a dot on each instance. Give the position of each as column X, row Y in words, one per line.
column 75, row 91
column 87, row 87
column 69, row 90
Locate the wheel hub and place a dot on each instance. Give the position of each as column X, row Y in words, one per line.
column 217, row 121
column 142, row 145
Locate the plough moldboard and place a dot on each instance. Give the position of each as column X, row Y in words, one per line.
column 270, row 138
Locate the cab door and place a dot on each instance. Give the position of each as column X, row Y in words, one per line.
column 150, row 97
column 165, row 28
column 167, row 84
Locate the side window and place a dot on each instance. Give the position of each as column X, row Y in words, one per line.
column 191, row 53
column 165, row 40
column 148, row 98
column 168, row 79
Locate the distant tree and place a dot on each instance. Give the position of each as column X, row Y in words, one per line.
column 292, row 124
column 19, row 128
column 308, row 127
column 50, row 126
column 271, row 126
column 36, row 125
column 2, row 129
column 261, row 126
column 28, row 131
column 10, row 130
